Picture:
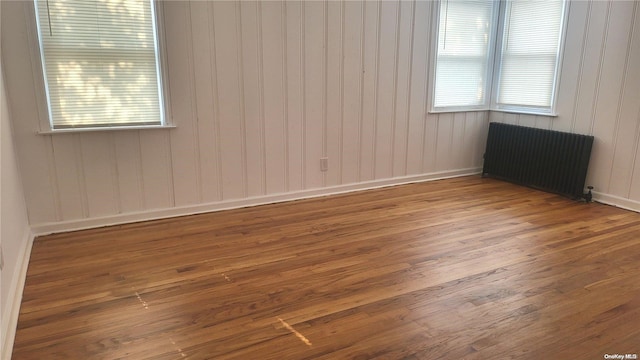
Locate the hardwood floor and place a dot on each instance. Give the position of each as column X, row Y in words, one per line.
column 465, row 268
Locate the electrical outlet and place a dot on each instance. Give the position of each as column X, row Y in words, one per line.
column 324, row 164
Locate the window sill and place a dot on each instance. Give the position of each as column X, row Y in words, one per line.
column 509, row 111
column 526, row 112
column 449, row 111
column 102, row 129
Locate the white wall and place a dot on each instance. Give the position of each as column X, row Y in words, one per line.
column 259, row 93
column 599, row 94
column 15, row 235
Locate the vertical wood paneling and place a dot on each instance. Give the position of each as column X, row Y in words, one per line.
column 387, row 85
column 594, row 46
column 273, row 97
column 572, row 67
column 543, row 122
column 260, row 91
column 403, row 88
column 419, row 87
column 497, row 116
column 527, row 120
column 607, row 110
column 634, row 189
column 431, row 141
column 252, row 96
column 456, row 145
column 314, row 91
column 156, row 169
column 444, row 146
column 369, row 89
column 510, row 118
column 334, row 92
column 32, row 150
column 325, row 85
column 99, row 172
column 82, row 182
column 627, row 136
column 481, row 137
column 352, row 91
column 69, row 188
column 126, row 146
column 232, row 150
column 204, row 79
column 184, row 142
column 470, row 134
column 295, row 94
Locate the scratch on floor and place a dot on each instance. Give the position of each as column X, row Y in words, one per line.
column 295, row 332
column 178, row 348
column 144, row 303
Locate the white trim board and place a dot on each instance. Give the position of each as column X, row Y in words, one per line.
column 11, row 310
column 617, row 201
column 81, row 224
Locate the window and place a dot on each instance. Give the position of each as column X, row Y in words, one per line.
column 528, row 36
column 529, row 55
column 100, row 63
column 463, row 55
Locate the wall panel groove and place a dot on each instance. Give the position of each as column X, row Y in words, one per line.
column 394, row 99
column 140, row 173
column 581, row 65
column 325, row 47
column 405, row 169
column 261, row 80
column 303, row 83
column 115, row 174
column 194, row 106
column 361, row 91
column 84, row 202
column 285, row 95
column 201, row 98
column 376, row 81
column 215, row 101
column 635, row 166
column 195, row 130
column 621, row 93
column 339, row 176
column 53, row 177
column 293, row 95
column 603, row 49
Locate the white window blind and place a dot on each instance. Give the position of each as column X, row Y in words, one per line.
column 462, row 62
column 100, row 62
column 529, row 56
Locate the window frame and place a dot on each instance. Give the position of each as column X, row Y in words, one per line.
column 495, row 90
column 435, row 34
column 495, row 66
column 42, row 95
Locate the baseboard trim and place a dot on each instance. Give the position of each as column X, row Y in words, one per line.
column 73, row 225
column 617, row 201
column 15, row 295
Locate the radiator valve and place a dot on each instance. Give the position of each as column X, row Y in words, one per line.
column 589, row 196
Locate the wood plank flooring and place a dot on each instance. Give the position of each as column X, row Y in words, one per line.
column 465, row 268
